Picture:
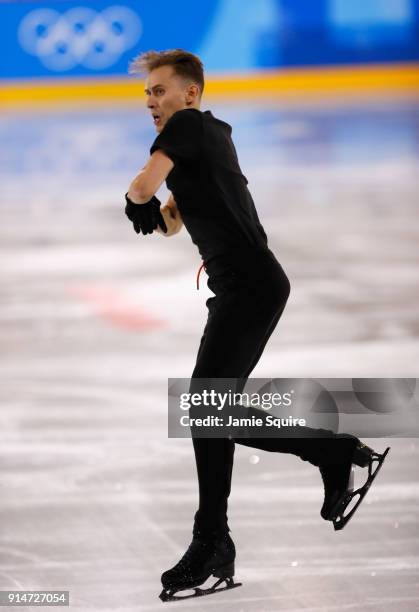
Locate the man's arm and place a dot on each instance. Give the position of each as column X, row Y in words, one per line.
column 150, row 178
column 172, row 218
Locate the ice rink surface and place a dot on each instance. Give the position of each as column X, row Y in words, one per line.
column 95, row 499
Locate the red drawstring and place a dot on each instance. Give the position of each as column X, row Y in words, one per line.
column 197, row 277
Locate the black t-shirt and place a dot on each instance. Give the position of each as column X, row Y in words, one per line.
column 208, row 185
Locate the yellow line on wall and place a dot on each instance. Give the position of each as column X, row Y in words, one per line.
column 325, row 79
column 296, row 82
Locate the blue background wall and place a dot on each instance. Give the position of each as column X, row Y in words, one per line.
column 77, row 37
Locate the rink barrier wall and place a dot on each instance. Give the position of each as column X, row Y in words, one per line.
column 286, row 83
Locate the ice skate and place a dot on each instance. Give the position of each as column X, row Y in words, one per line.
column 204, row 558
column 338, row 477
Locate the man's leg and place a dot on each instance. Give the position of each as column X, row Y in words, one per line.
column 234, row 338
column 226, row 351
column 239, row 324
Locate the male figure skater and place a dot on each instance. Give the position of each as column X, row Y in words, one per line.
column 194, row 153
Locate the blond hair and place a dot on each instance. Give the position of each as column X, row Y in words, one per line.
column 185, row 64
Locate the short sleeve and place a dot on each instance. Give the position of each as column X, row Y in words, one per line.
column 181, row 137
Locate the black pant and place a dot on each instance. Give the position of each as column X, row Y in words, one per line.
column 251, row 291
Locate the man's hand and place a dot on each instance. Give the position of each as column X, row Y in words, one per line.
column 145, row 217
column 172, row 218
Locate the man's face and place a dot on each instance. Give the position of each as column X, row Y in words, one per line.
column 166, row 93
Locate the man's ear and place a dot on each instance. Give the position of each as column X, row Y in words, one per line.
column 192, row 94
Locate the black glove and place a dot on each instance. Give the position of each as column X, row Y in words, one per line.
column 145, row 217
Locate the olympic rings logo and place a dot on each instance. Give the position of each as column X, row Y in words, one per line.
column 80, row 36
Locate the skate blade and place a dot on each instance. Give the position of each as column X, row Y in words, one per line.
column 170, row 595
column 337, row 515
